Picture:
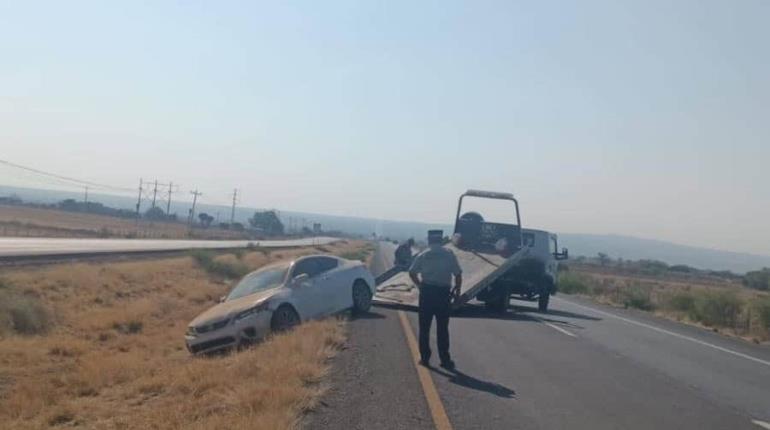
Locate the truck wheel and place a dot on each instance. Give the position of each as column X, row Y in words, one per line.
column 498, row 301
column 542, row 302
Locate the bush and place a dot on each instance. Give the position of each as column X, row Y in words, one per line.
column 758, row 279
column 360, row 255
column 206, row 261
column 762, row 308
column 637, row 297
column 22, row 314
column 129, row 327
column 572, row 284
column 682, row 302
column 717, row 308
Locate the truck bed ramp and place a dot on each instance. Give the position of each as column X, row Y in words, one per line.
column 479, row 271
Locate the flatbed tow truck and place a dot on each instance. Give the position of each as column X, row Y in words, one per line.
column 486, row 251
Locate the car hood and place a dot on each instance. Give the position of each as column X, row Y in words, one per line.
column 230, row 308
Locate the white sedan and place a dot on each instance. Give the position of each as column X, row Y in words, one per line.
column 279, row 296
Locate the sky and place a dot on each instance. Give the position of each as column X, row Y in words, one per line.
column 643, row 118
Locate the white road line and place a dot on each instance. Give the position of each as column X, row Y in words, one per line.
column 555, row 327
column 762, row 424
column 674, row 334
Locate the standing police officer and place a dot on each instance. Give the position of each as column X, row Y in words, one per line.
column 432, row 272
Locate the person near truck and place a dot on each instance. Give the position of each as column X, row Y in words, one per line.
column 403, row 255
column 432, row 271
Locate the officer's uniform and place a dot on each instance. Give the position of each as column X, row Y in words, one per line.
column 436, row 266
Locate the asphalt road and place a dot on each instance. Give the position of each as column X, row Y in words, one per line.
column 581, row 366
column 20, row 247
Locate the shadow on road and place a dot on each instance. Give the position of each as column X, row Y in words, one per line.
column 367, row 316
column 463, row 380
column 478, row 311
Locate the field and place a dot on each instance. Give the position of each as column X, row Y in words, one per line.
column 723, row 305
column 40, row 222
column 100, row 345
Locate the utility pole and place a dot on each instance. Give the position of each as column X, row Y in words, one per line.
column 168, row 203
column 232, row 211
column 86, row 198
column 139, row 201
column 154, row 193
column 195, row 199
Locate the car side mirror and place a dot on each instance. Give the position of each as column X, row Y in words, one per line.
column 564, row 254
column 300, row 280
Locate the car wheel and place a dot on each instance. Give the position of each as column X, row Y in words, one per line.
column 284, row 318
column 362, row 297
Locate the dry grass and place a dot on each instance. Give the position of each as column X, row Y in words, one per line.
column 29, row 221
column 725, row 306
column 115, row 357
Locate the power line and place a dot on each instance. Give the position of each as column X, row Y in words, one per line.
column 72, row 181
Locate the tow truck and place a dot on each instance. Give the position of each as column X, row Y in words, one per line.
column 498, row 260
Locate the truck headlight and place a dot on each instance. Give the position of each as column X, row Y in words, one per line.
column 252, row 311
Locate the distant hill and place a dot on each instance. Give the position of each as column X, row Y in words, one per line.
column 579, row 244
column 633, row 248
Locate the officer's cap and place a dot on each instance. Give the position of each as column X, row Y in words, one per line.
column 435, row 236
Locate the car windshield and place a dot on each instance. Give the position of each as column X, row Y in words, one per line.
column 262, row 280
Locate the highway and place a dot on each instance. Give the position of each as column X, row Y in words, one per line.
column 581, row 366
column 28, row 247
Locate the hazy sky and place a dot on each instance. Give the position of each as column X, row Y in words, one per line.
column 645, row 118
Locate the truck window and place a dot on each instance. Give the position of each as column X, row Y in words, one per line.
column 528, row 240
column 553, row 246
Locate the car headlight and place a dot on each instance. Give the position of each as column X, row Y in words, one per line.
column 191, row 331
column 252, row 311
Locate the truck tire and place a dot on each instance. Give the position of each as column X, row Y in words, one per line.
column 498, row 300
column 542, row 302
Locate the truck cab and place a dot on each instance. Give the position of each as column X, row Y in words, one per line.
column 544, row 246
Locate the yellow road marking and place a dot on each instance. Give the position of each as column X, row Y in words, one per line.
column 440, row 418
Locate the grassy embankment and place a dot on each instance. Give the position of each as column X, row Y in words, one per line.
column 722, row 306
column 100, row 345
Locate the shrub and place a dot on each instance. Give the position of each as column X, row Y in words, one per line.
column 22, row 314
column 717, row 308
column 758, row 279
column 206, row 261
column 355, row 255
column 762, row 308
column 637, row 297
column 572, row 284
column 128, row 327
column 681, row 301
column 202, row 257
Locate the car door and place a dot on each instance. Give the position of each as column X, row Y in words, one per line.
column 334, row 289
column 308, row 296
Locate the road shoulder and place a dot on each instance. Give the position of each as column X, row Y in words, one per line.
column 373, row 382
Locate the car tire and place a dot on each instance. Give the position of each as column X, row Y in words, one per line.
column 542, row 302
column 362, row 297
column 284, row 318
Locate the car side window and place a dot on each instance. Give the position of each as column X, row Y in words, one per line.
column 553, row 245
column 326, row 263
column 307, row 266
